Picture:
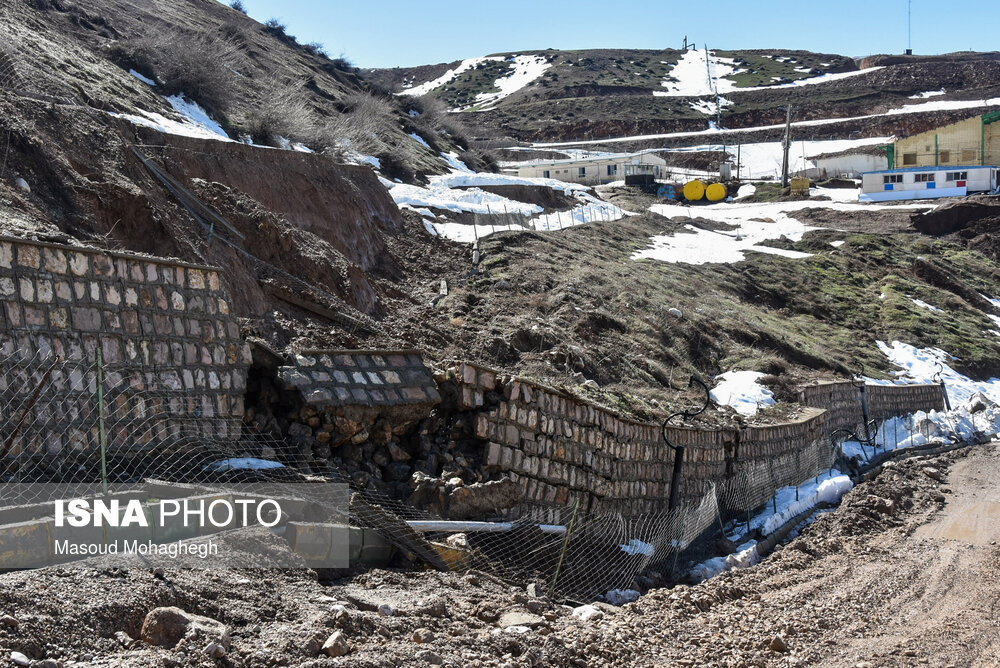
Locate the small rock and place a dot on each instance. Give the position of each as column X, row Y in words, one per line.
column 676, row 312
column 397, row 453
column 423, row 635
column 19, row 659
column 9, row 622
column 777, row 644
column 883, row 506
column 532, row 591
column 458, row 540
column 124, row 638
column 519, row 619
column 932, row 473
column 536, row 605
column 386, row 610
column 49, row 663
column 588, row 613
column 215, row 650
column 430, row 657
column 336, row 645
column 22, row 184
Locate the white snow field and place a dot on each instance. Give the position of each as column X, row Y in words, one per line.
column 690, row 76
column 751, row 224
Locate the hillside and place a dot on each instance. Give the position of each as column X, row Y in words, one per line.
column 322, row 250
column 592, row 94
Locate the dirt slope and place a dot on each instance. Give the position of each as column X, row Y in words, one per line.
column 903, row 573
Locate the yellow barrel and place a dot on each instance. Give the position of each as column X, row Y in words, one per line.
column 715, row 192
column 694, row 190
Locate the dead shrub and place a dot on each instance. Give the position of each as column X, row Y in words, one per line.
column 284, row 112
column 365, row 125
column 198, row 65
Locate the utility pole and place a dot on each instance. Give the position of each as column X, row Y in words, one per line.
column 785, row 146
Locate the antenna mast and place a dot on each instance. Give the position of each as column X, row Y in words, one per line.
column 909, row 29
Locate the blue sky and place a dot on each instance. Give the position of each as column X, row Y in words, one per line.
column 389, row 33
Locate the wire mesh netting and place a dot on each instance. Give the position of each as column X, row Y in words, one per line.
column 81, row 422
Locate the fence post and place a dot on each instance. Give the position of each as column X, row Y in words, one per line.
column 101, row 431
column 675, row 479
column 562, row 552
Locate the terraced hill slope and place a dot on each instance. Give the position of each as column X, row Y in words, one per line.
column 589, row 94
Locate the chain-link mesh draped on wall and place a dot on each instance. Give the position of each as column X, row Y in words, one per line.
column 88, row 422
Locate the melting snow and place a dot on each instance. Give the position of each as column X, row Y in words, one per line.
column 921, row 365
column 751, row 223
column 927, row 94
column 455, row 163
column 464, row 66
column 420, row 140
column 837, row 244
column 828, row 487
column 741, row 390
column 526, row 69
column 195, row 121
column 691, row 76
column 923, row 304
column 145, row 80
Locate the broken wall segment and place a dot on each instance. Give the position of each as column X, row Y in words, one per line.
column 163, row 328
column 562, row 450
column 355, row 397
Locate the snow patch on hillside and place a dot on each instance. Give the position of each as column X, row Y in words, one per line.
column 692, row 76
column 742, row 391
column 464, row 66
column 922, row 365
column 751, row 224
column 194, row 121
column 525, row 70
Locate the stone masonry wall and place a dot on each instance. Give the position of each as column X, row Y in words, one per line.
column 561, row 450
column 163, row 328
column 842, row 401
column 355, row 405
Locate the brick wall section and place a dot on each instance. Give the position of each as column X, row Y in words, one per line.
column 356, row 403
column 842, row 401
column 162, row 327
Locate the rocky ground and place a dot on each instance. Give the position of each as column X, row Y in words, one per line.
column 903, row 573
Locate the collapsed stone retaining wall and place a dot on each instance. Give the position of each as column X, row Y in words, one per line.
column 164, row 329
column 355, row 404
column 562, row 450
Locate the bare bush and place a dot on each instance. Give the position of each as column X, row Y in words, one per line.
column 196, row 64
column 238, row 6
column 284, row 113
column 365, row 126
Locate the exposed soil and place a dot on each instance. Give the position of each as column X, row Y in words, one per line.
column 904, row 572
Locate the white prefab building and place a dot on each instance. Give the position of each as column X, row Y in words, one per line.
column 592, row 170
column 927, row 182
